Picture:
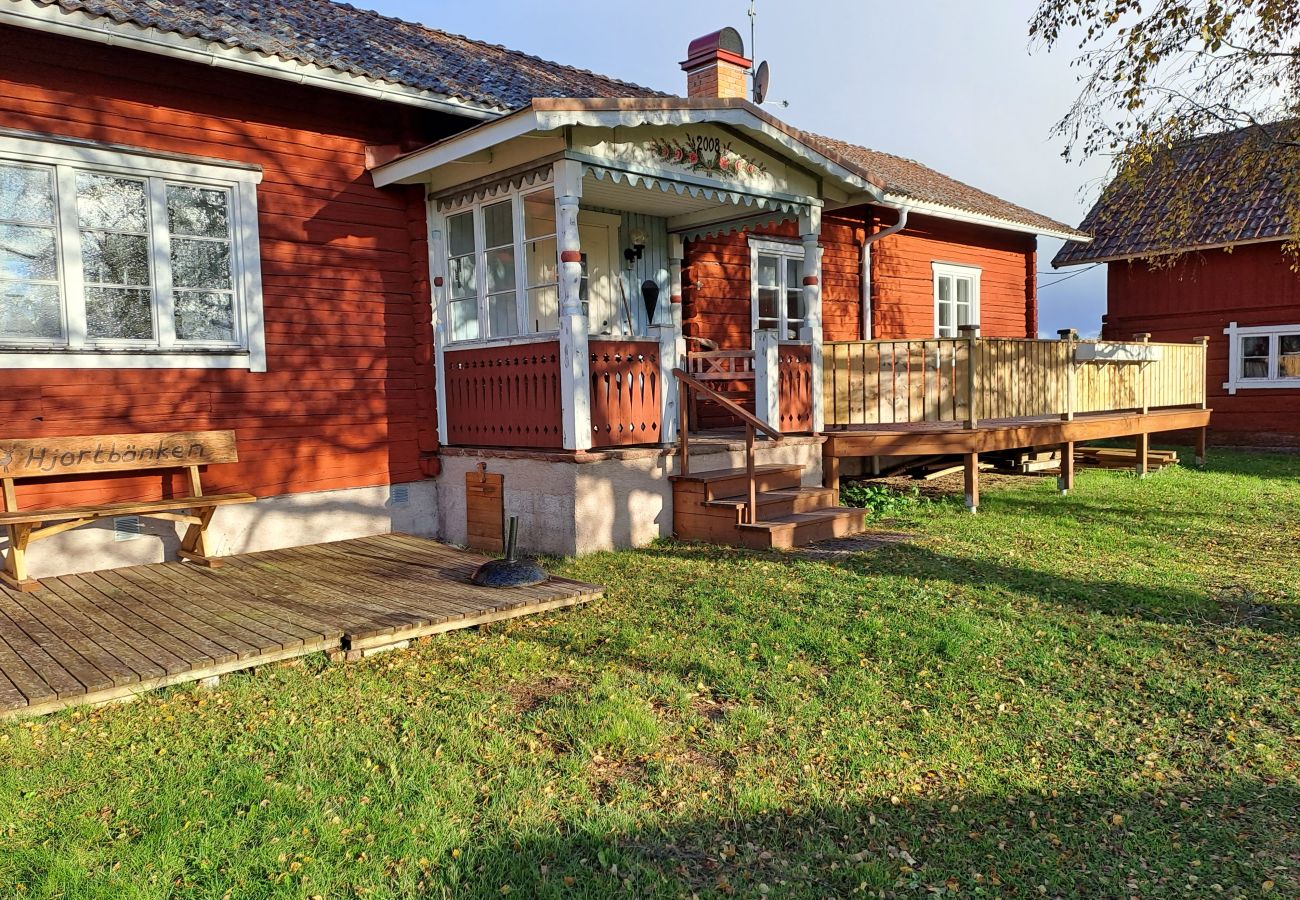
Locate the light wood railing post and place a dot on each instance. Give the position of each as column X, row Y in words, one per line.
column 972, row 335
column 1204, row 341
column 1144, row 337
column 1070, row 337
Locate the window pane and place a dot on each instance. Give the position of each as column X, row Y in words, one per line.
column 503, row 315
column 27, row 253
column 464, row 320
column 544, row 309
column 539, row 214
column 1254, row 356
column 1288, row 359
column 29, row 311
column 119, row 314
column 963, row 311
column 769, row 272
column 106, row 201
column 109, row 258
column 200, row 264
column 768, row 310
column 963, row 290
column 793, row 274
column 501, row 270
column 197, row 211
column 541, row 258
column 794, row 314
column 945, row 290
column 26, row 195
column 499, row 225
column 205, row 316
column 460, row 234
column 463, row 283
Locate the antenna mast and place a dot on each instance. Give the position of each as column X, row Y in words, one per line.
column 753, row 15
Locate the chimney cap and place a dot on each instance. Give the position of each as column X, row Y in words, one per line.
column 725, row 43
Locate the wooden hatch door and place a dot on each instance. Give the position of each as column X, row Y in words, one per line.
column 485, row 510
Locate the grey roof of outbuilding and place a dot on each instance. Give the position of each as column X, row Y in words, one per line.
column 344, row 38
column 1212, row 191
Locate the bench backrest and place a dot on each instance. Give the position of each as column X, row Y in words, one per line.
column 89, row 454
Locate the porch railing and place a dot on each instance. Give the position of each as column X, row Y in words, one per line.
column 626, row 394
column 506, row 396
column 688, row 385
column 969, row 379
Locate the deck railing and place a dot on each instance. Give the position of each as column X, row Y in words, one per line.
column 626, row 393
column 969, row 379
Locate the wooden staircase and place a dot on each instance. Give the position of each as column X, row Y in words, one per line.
column 712, row 506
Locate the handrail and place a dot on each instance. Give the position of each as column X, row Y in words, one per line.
column 687, row 384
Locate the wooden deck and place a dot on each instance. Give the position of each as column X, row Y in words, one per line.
column 109, row 635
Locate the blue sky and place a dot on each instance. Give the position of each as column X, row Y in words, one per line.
column 950, row 83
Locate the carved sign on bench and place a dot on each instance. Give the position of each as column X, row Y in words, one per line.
column 58, row 457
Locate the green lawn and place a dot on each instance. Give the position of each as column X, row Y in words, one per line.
column 1087, row 695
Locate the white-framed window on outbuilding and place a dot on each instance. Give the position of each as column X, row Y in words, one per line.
column 113, row 257
column 1263, row 356
column 776, row 282
column 956, row 297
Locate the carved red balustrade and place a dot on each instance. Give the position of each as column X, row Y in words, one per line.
column 794, row 375
column 504, row 396
column 626, row 393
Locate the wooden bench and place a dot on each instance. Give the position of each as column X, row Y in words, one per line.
column 55, row 458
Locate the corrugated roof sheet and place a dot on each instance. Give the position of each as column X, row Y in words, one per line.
column 1212, row 191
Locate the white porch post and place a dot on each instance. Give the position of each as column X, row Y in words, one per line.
column 438, row 292
column 575, row 383
column 767, row 377
column 672, row 343
column 810, row 228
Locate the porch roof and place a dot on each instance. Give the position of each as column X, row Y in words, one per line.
column 835, row 174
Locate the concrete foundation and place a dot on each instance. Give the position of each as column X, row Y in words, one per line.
column 573, row 504
column 272, row 523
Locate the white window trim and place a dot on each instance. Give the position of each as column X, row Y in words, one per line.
column 785, row 250
column 1235, row 333
column 957, row 270
column 67, row 156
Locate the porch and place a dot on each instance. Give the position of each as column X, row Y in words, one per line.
column 970, row 395
column 108, row 636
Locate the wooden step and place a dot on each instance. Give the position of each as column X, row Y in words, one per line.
column 801, row 529
column 774, row 504
column 719, row 484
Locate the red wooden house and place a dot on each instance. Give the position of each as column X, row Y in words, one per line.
column 389, row 258
column 1215, row 263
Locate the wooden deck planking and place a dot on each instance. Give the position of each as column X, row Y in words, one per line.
column 101, row 636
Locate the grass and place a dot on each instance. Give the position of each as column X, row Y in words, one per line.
column 1092, row 695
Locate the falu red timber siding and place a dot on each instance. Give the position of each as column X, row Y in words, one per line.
column 902, row 278
column 347, row 400
column 1199, row 295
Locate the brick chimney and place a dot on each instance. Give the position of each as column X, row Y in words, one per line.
column 716, row 66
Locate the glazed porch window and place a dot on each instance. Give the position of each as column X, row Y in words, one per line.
column 106, row 259
column 502, row 268
column 956, row 298
column 777, row 275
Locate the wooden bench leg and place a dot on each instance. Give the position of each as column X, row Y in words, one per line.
column 1066, row 481
column 973, row 482
column 194, row 546
column 14, row 574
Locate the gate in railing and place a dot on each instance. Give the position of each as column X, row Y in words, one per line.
column 795, row 387
column 626, row 393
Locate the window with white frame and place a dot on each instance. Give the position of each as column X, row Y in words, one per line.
column 1263, row 356
column 113, row 257
column 503, row 271
column 776, row 275
column 956, row 298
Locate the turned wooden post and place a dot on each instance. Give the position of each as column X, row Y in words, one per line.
column 575, row 385
column 810, row 229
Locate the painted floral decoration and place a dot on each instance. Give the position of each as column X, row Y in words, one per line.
column 706, row 154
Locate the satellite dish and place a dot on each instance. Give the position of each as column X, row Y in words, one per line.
column 761, row 79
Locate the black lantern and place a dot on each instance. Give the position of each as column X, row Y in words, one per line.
column 650, row 294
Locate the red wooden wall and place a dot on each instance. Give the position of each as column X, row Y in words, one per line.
column 1200, row 295
column 902, row 280
column 348, row 398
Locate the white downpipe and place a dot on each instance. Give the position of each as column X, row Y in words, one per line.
column 870, row 239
